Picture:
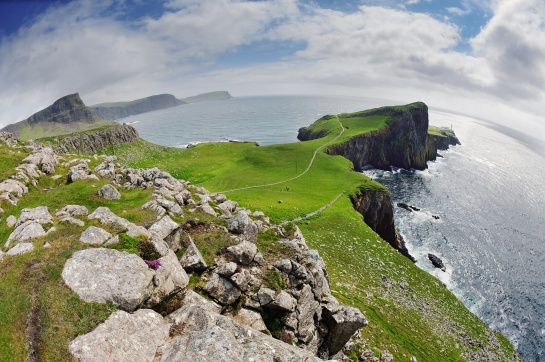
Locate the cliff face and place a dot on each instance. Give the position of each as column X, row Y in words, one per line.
column 377, row 210
column 66, row 110
column 403, row 143
column 119, row 110
column 93, row 141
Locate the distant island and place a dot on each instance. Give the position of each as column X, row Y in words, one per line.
column 206, row 97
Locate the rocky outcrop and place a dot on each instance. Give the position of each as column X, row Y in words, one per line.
column 117, row 110
column 65, row 110
column 92, row 141
column 378, row 213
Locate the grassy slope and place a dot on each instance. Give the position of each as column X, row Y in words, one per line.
column 33, row 281
column 50, row 129
column 410, row 312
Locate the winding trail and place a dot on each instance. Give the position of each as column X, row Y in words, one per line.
column 301, row 174
column 311, row 214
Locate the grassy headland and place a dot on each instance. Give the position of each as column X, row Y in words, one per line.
column 410, row 312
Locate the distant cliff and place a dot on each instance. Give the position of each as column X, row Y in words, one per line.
column 403, row 142
column 206, row 97
column 68, row 114
column 92, row 141
column 117, row 110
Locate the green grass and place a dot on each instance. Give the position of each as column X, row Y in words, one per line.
column 9, row 159
column 50, row 129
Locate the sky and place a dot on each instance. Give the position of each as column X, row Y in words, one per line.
column 484, row 58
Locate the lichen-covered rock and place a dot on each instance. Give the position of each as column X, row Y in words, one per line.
column 80, row 172
column 94, row 236
column 21, row 248
column 109, row 192
column 13, row 187
column 342, row 322
column 25, row 232
column 226, row 269
column 107, row 275
column 72, row 210
column 169, row 278
column 250, row 318
column 192, row 259
column 243, row 225
column 105, row 216
column 190, row 297
column 11, row 221
column 124, row 337
column 242, row 253
column 38, row 214
column 222, row 290
column 210, row 337
column 45, row 159
column 163, row 227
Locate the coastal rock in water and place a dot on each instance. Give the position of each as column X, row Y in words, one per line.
column 436, row 261
column 109, row 192
column 107, row 275
column 124, row 337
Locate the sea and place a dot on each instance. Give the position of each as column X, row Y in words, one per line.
column 487, row 192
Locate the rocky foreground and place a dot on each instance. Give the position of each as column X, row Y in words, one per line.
column 245, row 305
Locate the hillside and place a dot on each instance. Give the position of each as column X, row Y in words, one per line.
column 66, row 115
column 117, row 110
column 285, row 200
column 207, row 97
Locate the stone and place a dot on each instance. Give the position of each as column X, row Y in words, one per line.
column 284, row 302
column 106, row 275
column 163, row 227
column 307, row 308
column 30, row 169
column 11, row 221
column 106, row 170
column 13, row 187
column 105, row 216
column 242, row 253
column 436, row 261
column 2, row 256
column 243, row 225
column 21, row 248
column 266, row 296
column 80, row 172
column 251, row 319
column 220, row 198
column 25, row 232
column 222, row 290
column 38, row 214
column 241, row 279
column 112, row 241
column 45, row 159
column 284, row 265
column 72, row 210
column 192, row 259
column 109, row 192
column 211, row 337
column 72, row 220
column 207, row 209
column 170, row 278
column 123, row 337
column 226, row 269
column 342, row 322
column 94, row 235
column 191, row 297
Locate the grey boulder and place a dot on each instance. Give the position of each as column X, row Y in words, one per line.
column 124, row 337
column 222, row 290
column 94, row 236
column 192, row 259
column 109, row 192
column 107, row 275
column 242, row 253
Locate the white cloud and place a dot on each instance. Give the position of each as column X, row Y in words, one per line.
column 373, row 51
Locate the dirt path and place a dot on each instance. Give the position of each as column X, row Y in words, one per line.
column 309, row 215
